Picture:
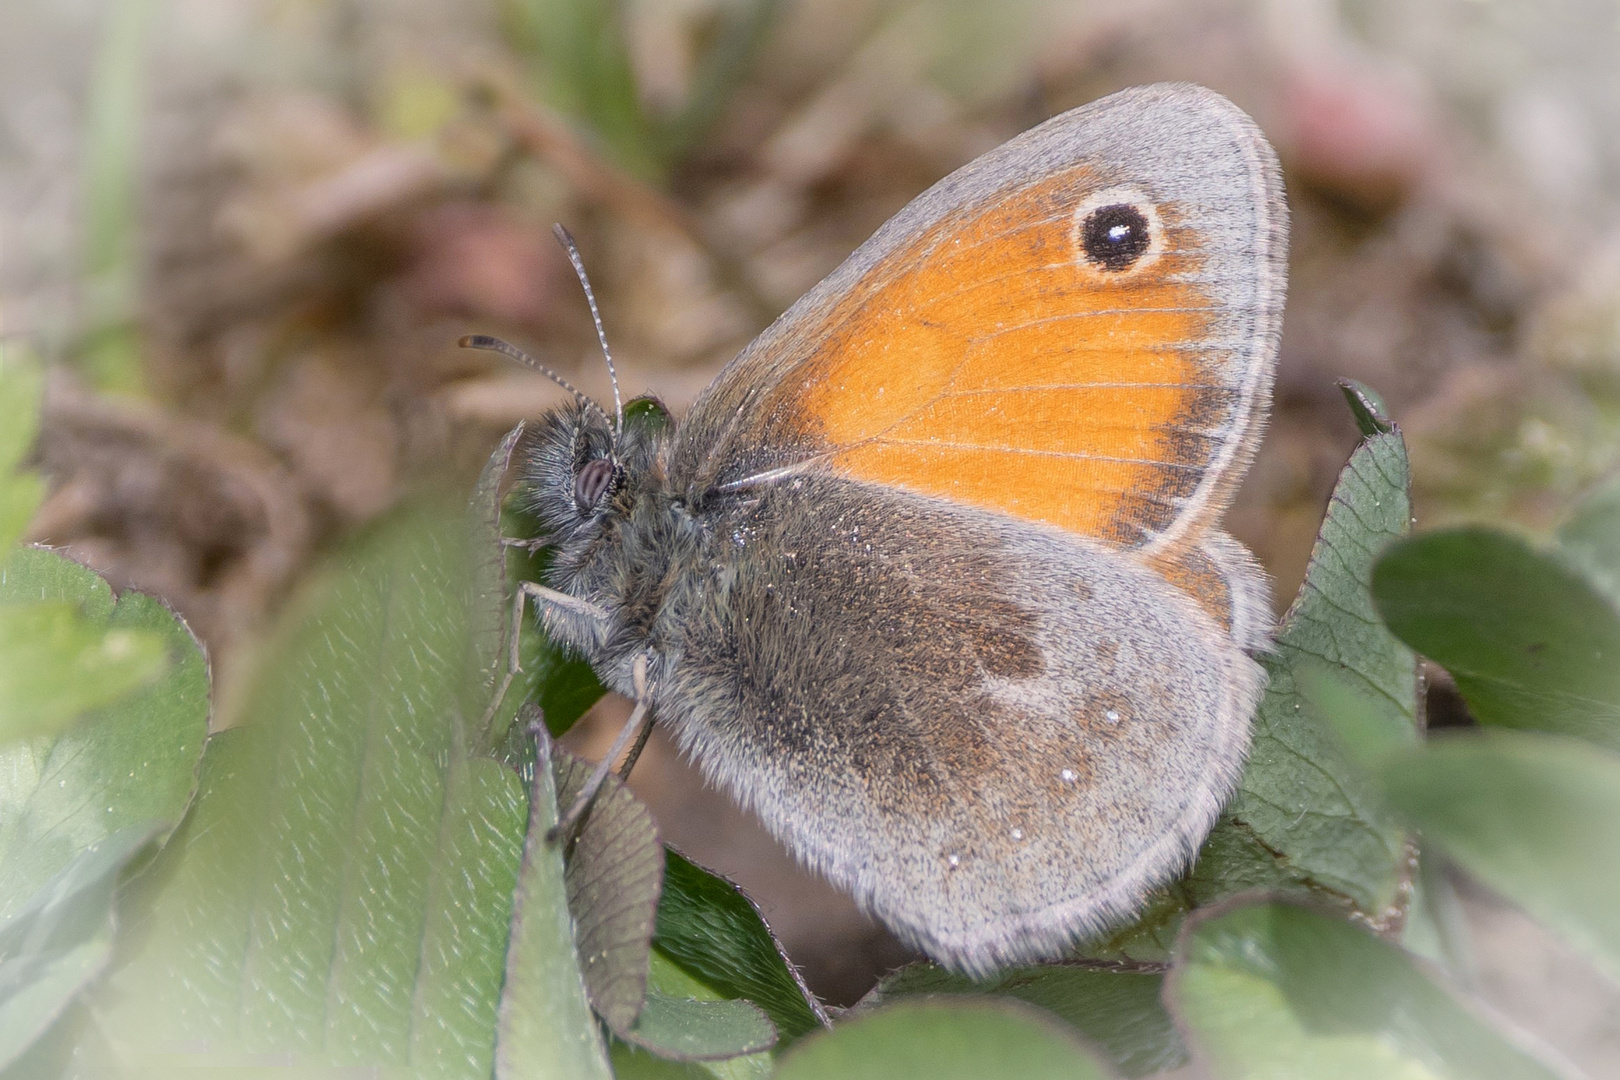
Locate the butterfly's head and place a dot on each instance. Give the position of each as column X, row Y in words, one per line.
column 579, row 476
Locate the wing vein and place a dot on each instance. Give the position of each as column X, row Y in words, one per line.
column 983, row 449
column 1084, row 386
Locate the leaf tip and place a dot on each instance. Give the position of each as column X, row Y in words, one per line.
column 1367, row 405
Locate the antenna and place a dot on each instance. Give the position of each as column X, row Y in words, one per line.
column 495, row 344
column 566, row 239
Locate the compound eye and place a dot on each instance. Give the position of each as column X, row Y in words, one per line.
column 593, row 482
column 1114, row 237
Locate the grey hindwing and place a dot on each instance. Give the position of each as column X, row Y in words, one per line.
column 996, row 735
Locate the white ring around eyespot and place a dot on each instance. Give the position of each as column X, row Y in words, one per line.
column 1137, row 199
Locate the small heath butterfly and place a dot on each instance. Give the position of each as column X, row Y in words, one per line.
column 932, row 577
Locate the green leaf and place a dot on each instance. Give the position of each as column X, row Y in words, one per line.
column 944, row 1039
column 1301, row 795
column 1591, row 539
column 1531, row 642
column 615, row 871
column 469, row 899
column 694, row 1029
column 546, row 1028
column 633, row 1063
column 128, row 763
column 1436, row 925
column 712, row 930
column 686, row 1019
column 56, row 665
column 1306, row 820
column 1274, row 990
column 59, row 940
column 1535, row 817
column 1372, row 417
column 76, row 808
column 686, row 1039
column 341, row 892
column 216, row 942
column 1118, row 1011
column 192, row 906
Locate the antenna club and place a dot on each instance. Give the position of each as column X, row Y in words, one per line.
column 495, row 344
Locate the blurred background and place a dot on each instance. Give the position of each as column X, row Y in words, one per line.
column 248, row 233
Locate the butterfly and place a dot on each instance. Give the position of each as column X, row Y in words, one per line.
column 932, row 577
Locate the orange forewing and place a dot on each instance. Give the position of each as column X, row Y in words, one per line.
column 989, row 363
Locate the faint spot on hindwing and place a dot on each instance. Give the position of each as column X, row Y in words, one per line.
column 1107, row 714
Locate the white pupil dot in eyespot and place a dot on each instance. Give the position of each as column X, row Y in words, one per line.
column 1119, row 233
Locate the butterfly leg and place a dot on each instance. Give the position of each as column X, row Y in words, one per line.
column 528, row 591
column 531, row 546
column 638, row 725
column 637, row 747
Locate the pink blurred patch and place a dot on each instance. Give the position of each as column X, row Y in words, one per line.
column 472, row 260
column 1366, row 134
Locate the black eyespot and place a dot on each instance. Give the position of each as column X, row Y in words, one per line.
column 592, row 483
column 1115, row 236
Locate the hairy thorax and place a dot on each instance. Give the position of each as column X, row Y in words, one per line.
column 646, row 564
